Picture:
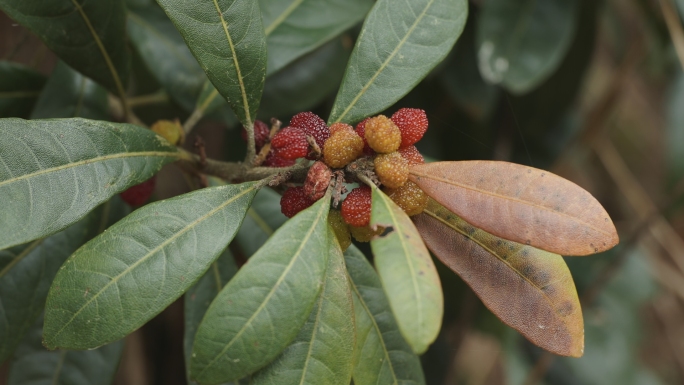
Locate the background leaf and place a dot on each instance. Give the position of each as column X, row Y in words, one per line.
column 68, row 94
column 520, row 203
column 34, row 365
column 262, row 220
column 227, row 38
column 165, row 53
column 296, row 27
column 90, row 36
column 407, row 274
column 520, row 43
column 261, row 310
column 399, row 44
column 322, row 352
column 56, row 171
column 382, row 356
column 19, row 89
column 119, row 280
column 529, row 289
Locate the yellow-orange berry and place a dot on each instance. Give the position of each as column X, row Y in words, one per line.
column 365, row 233
column 342, row 147
column 411, row 198
column 392, row 169
column 382, row 134
column 340, row 229
column 169, row 130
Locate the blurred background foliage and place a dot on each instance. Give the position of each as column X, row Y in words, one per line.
column 591, row 90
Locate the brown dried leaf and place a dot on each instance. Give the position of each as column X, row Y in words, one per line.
column 529, row 289
column 520, row 203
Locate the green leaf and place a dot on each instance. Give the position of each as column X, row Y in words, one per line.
column 323, row 350
column 121, row 279
column 521, row 42
column 200, row 296
column 399, row 44
column 33, row 365
column 382, row 355
column 19, row 89
column 262, row 220
column 55, row 171
column 260, row 311
column 26, row 272
column 164, row 52
column 296, row 27
column 90, row 36
column 227, row 38
column 407, row 273
column 69, row 94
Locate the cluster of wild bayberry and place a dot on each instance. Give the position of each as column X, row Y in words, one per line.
column 385, row 144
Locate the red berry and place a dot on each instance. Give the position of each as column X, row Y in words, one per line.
column 312, row 125
column 412, row 155
column 261, row 133
column 356, row 207
column 140, row 193
column 293, row 201
column 361, row 130
column 317, row 181
column 412, row 123
column 273, row 160
column 290, row 143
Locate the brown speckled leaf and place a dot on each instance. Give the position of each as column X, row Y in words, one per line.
column 520, row 203
column 529, row 289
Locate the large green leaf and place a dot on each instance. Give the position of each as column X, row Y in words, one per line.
column 407, row 273
column 27, row 271
column 262, row 220
column 227, row 38
column 399, row 44
column 260, row 311
column 68, row 94
column 53, row 172
column 119, row 280
column 89, row 35
column 34, row 365
column 521, row 42
column 323, row 350
column 19, row 89
column 295, row 27
column 382, row 355
column 164, row 52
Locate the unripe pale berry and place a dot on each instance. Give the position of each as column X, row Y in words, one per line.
column 343, row 146
column 411, row 198
column 382, row 134
column 392, row 169
column 365, row 233
column 169, row 130
column 340, row 229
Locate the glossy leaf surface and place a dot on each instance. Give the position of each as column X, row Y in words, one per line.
column 407, row 273
column 119, row 280
column 19, row 89
column 520, row 203
column 296, row 27
column 34, row 365
column 323, row 350
column 400, row 43
column 55, row 171
column 520, row 43
column 529, row 289
column 68, row 94
column 227, row 39
column 165, row 53
column 260, row 311
column 90, row 36
column 382, row 356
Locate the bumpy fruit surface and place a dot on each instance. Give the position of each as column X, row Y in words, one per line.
column 169, row 130
column 293, row 201
column 317, row 181
column 312, row 125
column 365, row 233
column 382, row 134
column 412, row 123
column 261, row 133
column 392, row 169
column 356, row 207
column 343, row 146
column 340, row 228
column 290, row 143
column 140, row 193
column 361, row 131
column 412, row 155
column 273, row 160
column 411, row 198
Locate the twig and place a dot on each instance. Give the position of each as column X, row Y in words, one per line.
column 674, row 26
column 199, row 145
column 146, row 100
column 192, row 120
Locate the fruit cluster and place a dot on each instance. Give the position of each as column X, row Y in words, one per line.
column 386, row 143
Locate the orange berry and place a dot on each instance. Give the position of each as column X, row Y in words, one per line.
column 342, row 147
column 411, row 198
column 392, row 169
column 356, row 207
column 382, row 135
column 340, row 228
